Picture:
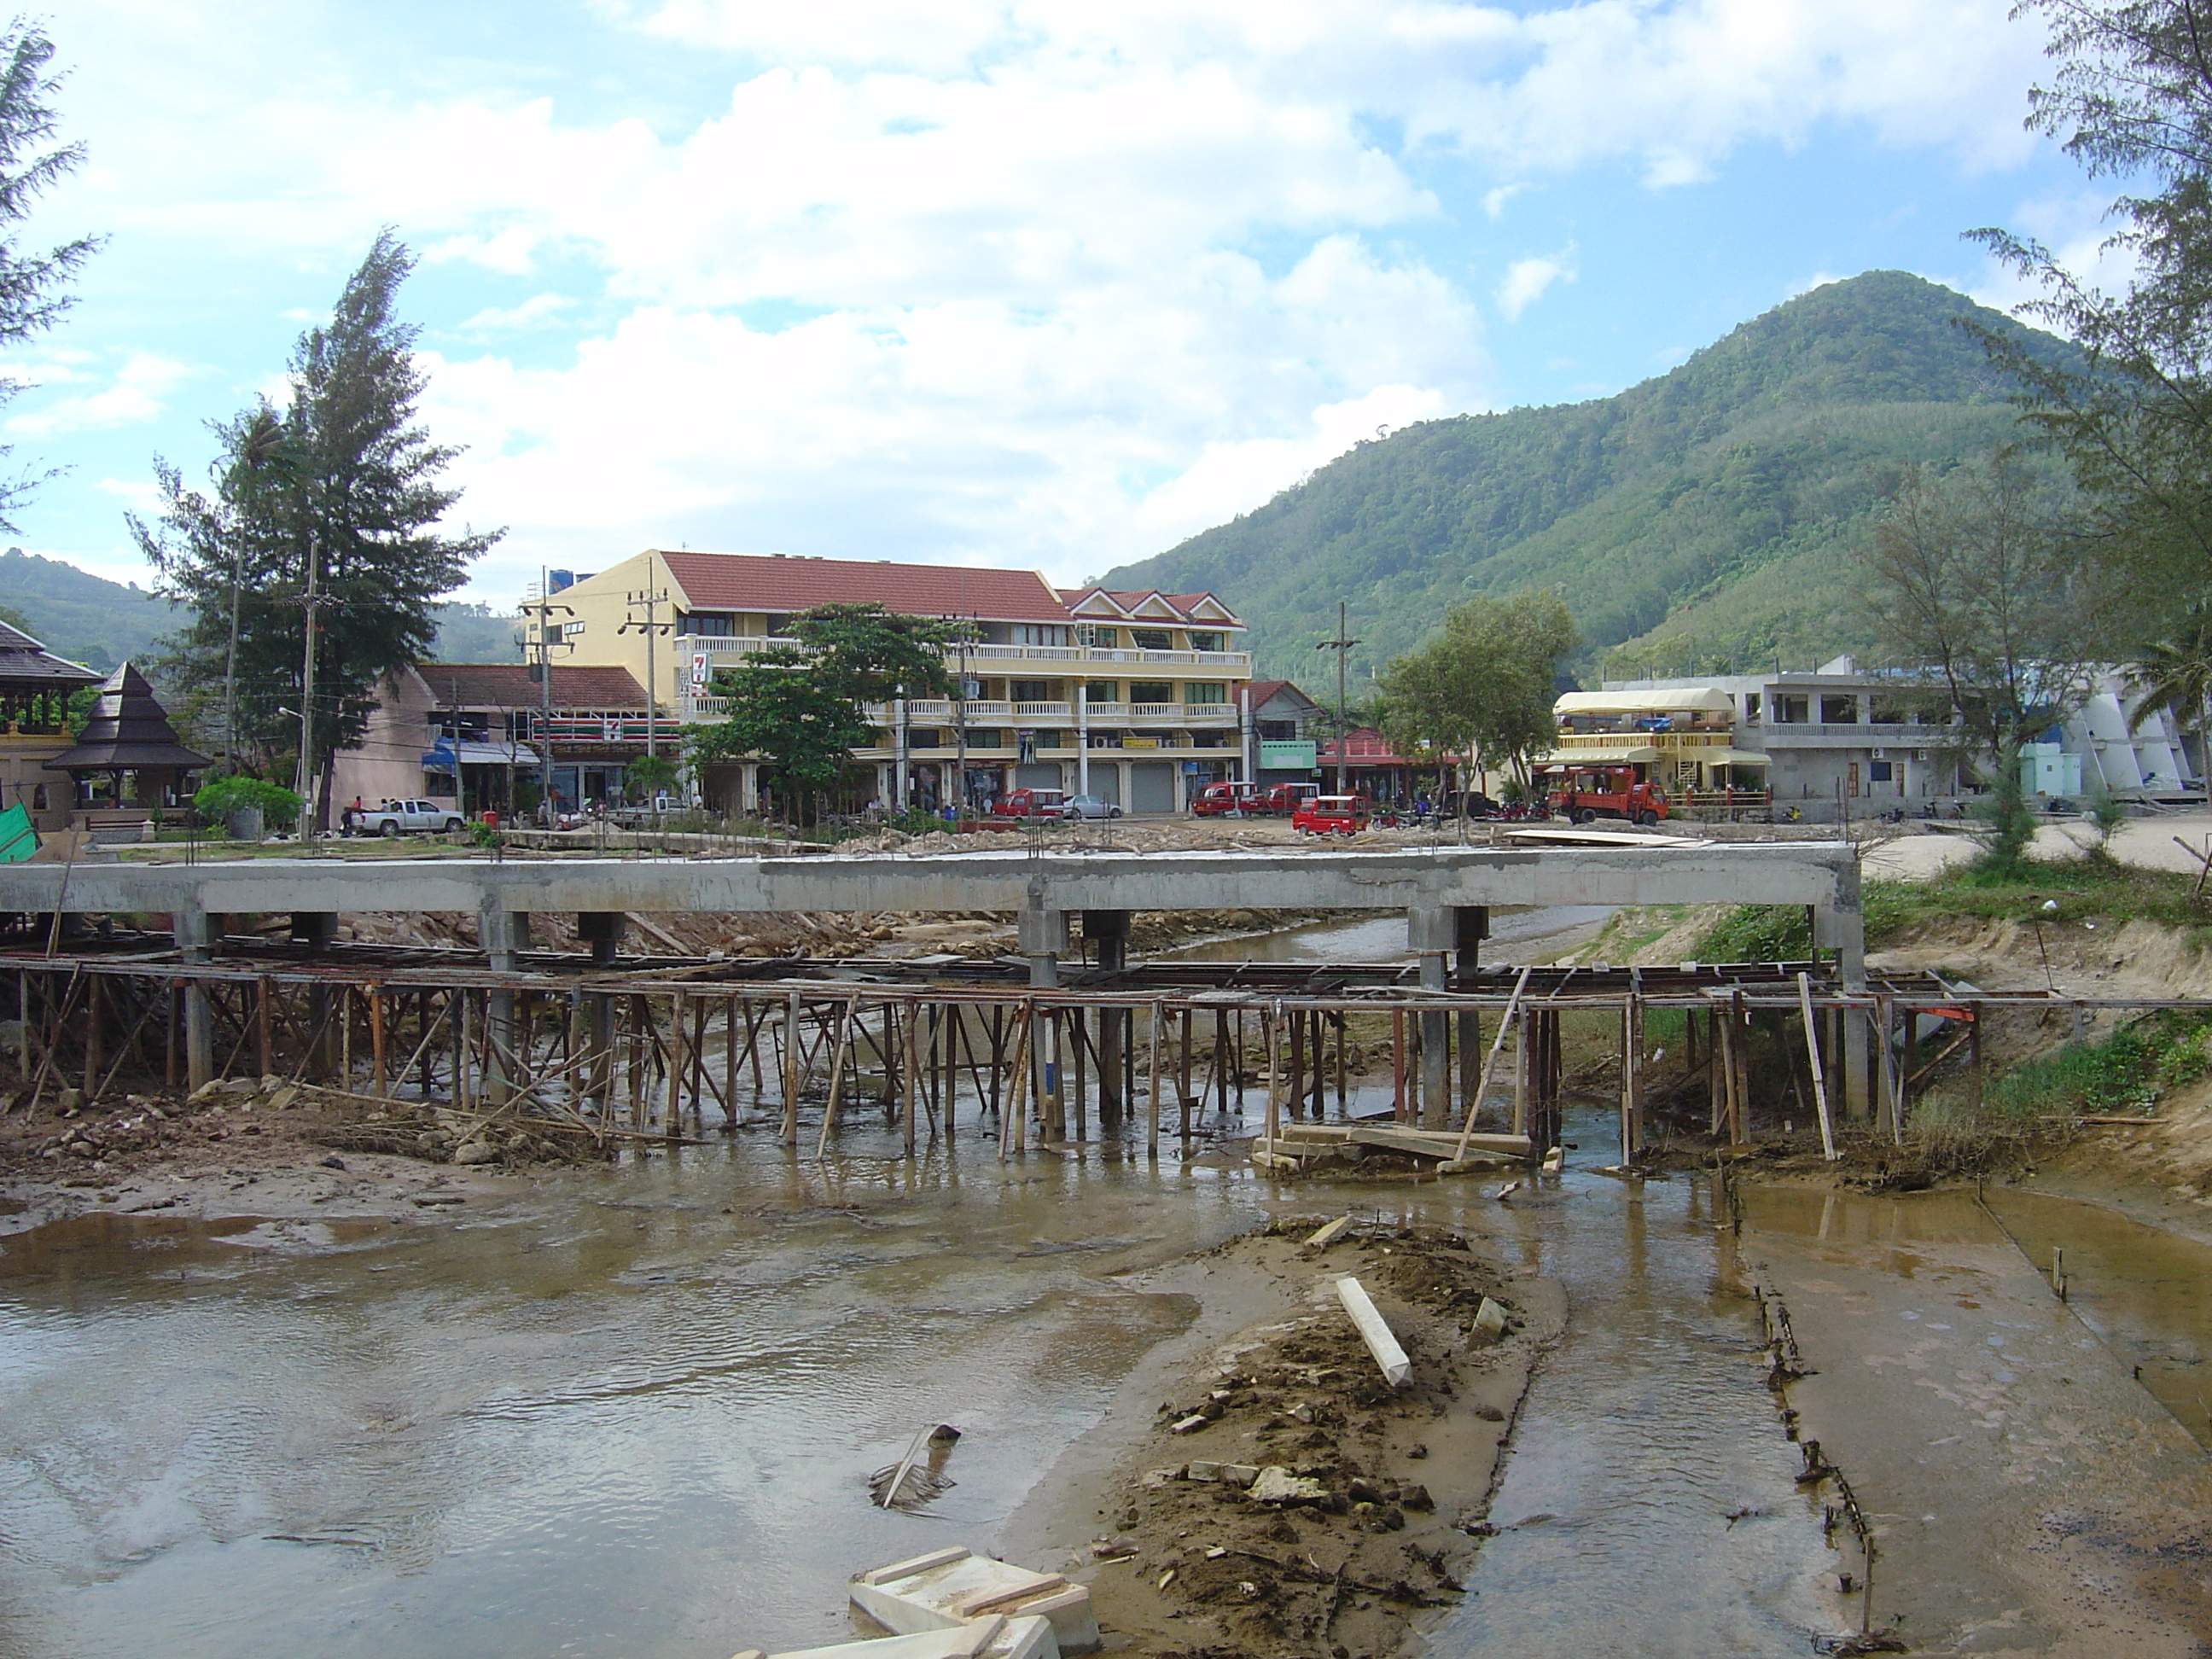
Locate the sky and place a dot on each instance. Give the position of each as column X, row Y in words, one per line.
column 1019, row 283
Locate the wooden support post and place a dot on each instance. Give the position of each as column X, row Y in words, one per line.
column 846, row 1022
column 909, row 1039
column 264, row 1040
column 1523, row 1071
column 1343, row 1021
column 1159, row 1073
column 1812, row 1055
column 1889, row 1118
column 95, row 1004
column 1270, row 1032
column 791, row 1017
column 1977, row 1058
column 679, row 1019
column 1398, row 1065
column 1013, row 1122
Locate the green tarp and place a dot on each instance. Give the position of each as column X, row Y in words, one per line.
column 18, row 840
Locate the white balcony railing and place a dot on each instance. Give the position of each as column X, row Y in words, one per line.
column 1235, row 664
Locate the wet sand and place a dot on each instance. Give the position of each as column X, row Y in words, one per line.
column 2026, row 1495
column 1180, row 1561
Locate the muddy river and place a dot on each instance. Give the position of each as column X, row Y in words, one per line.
column 632, row 1413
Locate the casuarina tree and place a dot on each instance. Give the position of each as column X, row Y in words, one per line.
column 329, row 512
column 33, row 283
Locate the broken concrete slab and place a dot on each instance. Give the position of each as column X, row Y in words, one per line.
column 949, row 1587
column 993, row 1637
column 1396, row 1366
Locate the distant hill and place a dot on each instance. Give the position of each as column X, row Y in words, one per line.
column 102, row 623
column 1701, row 518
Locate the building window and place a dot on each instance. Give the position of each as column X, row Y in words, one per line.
column 1840, row 711
column 1208, row 692
column 1205, row 641
column 1279, row 732
column 707, row 624
column 1098, row 634
column 924, row 737
column 1751, row 708
column 1214, row 740
column 1152, row 639
column 777, row 625
column 1032, row 691
column 1879, row 771
column 1790, row 711
column 1040, row 634
column 38, row 797
column 1102, row 691
column 1151, row 691
column 987, row 737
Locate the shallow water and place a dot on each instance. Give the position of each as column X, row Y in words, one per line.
column 1517, row 934
column 1644, row 1434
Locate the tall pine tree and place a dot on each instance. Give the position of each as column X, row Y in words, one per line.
column 342, row 483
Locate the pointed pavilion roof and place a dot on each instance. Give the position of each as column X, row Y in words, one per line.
column 129, row 730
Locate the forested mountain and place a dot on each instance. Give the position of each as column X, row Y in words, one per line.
column 1701, row 518
column 100, row 623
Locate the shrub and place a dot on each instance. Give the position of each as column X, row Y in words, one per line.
column 218, row 800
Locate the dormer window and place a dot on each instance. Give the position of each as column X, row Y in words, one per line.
column 1152, row 639
column 708, row 624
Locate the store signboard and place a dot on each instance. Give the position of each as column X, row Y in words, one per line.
column 1289, row 756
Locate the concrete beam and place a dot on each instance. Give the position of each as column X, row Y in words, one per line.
column 1822, row 874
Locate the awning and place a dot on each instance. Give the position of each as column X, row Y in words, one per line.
column 1700, row 699
column 1725, row 757
column 479, row 754
column 1612, row 754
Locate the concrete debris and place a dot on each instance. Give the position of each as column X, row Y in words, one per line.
column 1389, row 1356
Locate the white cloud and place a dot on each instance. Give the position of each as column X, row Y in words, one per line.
column 536, row 311
column 1019, row 233
column 1526, row 279
column 135, row 395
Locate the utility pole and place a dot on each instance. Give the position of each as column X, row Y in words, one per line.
column 308, row 601
column 543, row 611
column 1342, row 645
column 650, row 601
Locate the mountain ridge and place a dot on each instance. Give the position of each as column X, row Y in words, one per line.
column 1703, row 516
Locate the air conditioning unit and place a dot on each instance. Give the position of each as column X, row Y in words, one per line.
column 1881, row 754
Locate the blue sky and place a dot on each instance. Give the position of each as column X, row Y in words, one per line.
column 977, row 280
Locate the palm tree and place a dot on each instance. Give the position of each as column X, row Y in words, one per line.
column 2173, row 676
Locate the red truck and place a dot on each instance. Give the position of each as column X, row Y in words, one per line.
column 1583, row 793
column 1226, row 800
column 1031, row 804
column 1332, row 815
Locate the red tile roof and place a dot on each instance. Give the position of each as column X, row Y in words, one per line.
column 748, row 581
column 509, row 685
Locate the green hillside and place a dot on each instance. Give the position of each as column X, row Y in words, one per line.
column 1701, row 518
column 101, row 623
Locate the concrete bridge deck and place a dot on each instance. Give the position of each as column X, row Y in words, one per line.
column 1042, row 889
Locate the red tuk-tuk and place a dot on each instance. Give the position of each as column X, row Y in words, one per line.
column 1282, row 800
column 1332, row 815
column 1226, row 800
column 1031, row 804
column 1582, row 793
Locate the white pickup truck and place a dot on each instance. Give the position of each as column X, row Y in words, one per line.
column 405, row 817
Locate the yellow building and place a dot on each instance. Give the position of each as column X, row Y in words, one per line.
column 1130, row 696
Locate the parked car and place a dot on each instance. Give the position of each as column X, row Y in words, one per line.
column 1583, row 793
column 1230, row 800
column 1029, row 804
column 1332, row 815
column 407, row 817
column 1088, row 806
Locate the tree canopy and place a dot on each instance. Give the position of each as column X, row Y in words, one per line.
column 341, row 480
column 2131, row 101
column 800, row 707
column 34, row 283
column 1485, row 682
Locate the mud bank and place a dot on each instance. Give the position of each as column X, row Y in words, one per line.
column 2023, row 1493
column 1382, row 1491
column 281, row 1152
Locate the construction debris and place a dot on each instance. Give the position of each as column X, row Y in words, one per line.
column 1375, row 1330
column 919, row 1476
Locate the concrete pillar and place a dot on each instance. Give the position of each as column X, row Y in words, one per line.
column 603, row 931
column 1043, row 940
column 194, row 934
column 1432, row 932
column 1470, row 925
column 1109, row 931
column 1842, row 928
column 502, row 933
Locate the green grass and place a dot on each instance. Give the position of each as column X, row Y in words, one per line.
column 2093, row 888
column 2125, row 1072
